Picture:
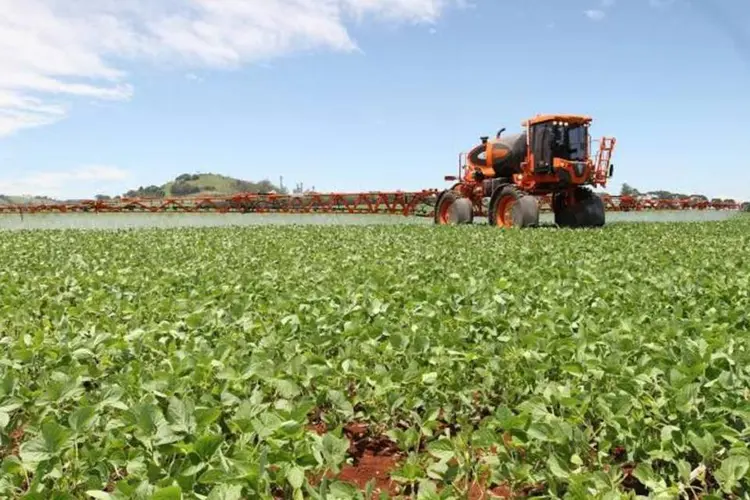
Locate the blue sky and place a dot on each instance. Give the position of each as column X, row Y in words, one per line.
column 353, row 95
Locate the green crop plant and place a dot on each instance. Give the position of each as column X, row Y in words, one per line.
column 259, row 362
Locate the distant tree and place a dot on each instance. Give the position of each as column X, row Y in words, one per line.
column 146, row 192
column 187, row 177
column 662, row 195
column 746, row 207
column 103, row 197
column 245, row 186
column 155, row 191
column 264, row 186
column 182, row 188
column 628, row 190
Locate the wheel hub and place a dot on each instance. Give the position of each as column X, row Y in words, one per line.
column 505, row 211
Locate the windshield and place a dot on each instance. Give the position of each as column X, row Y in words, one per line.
column 570, row 142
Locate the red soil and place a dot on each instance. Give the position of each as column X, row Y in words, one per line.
column 372, row 467
column 16, row 437
column 480, row 492
column 318, row 429
column 374, row 457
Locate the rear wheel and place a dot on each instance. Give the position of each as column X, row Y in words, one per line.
column 511, row 207
column 451, row 208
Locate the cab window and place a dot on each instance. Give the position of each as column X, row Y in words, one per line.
column 478, row 156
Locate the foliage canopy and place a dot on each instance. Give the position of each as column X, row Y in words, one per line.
column 192, row 361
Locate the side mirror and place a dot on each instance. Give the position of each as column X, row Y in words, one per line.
column 611, row 169
column 450, row 178
column 500, row 132
column 484, row 139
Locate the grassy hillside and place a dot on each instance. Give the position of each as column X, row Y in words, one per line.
column 214, row 183
column 202, row 184
column 24, row 200
column 183, row 185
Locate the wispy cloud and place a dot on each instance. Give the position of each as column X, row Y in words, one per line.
column 599, row 13
column 74, row 183
column 52, row 51
column 595, row 14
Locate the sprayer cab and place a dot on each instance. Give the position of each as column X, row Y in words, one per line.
column 558, row 149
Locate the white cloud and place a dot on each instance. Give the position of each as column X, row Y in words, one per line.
column 409, row 10
column 595, row 14
column 599, row 13
column 54, row 50
column 80, row 182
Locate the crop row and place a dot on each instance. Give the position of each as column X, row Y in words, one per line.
column 436, row 362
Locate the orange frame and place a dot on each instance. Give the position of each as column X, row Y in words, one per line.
column 596, row 171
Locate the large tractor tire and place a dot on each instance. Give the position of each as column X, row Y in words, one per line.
column 452, row 208
column 587, row 211
column 511, row 207
column 564, row 216
column 593, row 208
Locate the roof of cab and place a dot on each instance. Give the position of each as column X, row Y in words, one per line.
column 564, row 118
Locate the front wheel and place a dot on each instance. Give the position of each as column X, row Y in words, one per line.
column 451, row 208
column 586, row 209
column 511, row 207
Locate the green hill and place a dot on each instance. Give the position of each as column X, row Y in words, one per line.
column 203, row 184
column 25, row 200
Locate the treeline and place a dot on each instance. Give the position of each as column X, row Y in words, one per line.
column 628, row 190
column 25, row 200
column 264, row 186
column 146, row 192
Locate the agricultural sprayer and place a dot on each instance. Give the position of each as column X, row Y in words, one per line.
column 551, row 157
